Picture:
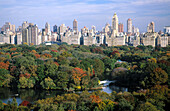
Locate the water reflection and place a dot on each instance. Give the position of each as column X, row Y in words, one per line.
column 32, row 95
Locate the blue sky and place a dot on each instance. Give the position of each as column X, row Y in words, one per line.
column 87, row 12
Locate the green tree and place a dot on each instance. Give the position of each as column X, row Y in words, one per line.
column 5, row 78
column 75, row 62
column 146, row 107
column 48, row 83
column 61, row 80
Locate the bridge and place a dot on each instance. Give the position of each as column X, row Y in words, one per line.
column 106, row 82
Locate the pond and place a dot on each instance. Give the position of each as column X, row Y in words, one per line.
column 32, row 95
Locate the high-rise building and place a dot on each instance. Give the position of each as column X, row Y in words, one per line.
column 115, row 22
column 107, row 28
column 167, row 30
column 151, row 27
column 55, row 28
column 93, row 28
column 62, row 29
column 47, row 28
column 25, row 35
column 30, row 34
column 129, row 26
column 25, row 25
column 75, row 26
column 120, row 27
column 114, row 25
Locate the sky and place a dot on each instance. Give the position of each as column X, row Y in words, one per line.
column 86, row 12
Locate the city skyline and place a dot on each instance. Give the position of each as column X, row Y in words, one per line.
column 87, row 12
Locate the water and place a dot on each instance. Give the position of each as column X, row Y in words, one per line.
column 32, row 95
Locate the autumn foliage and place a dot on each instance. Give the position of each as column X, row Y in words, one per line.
column 4, row 65
column 26, row 75
column 25, row 103
column 78, row 73
column 95, row 99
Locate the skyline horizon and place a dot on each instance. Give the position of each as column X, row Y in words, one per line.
column 87, row 12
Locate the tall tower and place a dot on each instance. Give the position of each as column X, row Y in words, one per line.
column 114, row 25
column 32, row 34
column 151, row 27
column 47, row 28
column 55, row 28
column 75, row 25
column 115, row 22
column 120, row 27
column 129, row 26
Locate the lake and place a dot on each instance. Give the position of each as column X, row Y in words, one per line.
column 32, row 95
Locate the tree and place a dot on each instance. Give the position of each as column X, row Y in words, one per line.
column 124, row 105
column 5, row 78
column 146, row 107
column 75, row 62
column 61, row 80
column 4, row 65
column 26, row 82
column 98, row 67
column 77, row 75
column 48, row 84
column 50, row 69
column 40, row 72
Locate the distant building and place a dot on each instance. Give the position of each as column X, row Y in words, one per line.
column 47, row 28
column 30, row 34
column 151, row 27
column 129, row 26
column 18, row 38
column 93, row 28
column 55, row 28
column 75, row 26
column 115, row 25
column 167, row 30
column 164, row 41
column 107, row 28
column 120, row 27
column 149, row 39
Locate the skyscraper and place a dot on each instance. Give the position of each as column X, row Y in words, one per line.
column 114, row 25
column 55, row 28
column 94, row 28
column 151, row 27
column 115, row 22
column 75, row 26
column 25, row 25
column 47, row 28
column 30, row 34
column 120, row 27
column 129, row 26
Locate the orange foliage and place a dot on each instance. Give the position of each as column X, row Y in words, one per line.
column 33, row 51
column 4, row 65
column 37, row 55
column 95, row 99
column 56, row 63
column 14, row 53
column 46, row 55
column 13, row 49
column 25, row 103
column 78, row 73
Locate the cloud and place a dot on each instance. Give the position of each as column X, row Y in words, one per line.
column 146, row 2
column 87, row 12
